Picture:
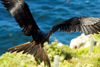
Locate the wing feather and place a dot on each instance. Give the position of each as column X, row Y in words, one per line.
column 20, row 11
column 87, row 25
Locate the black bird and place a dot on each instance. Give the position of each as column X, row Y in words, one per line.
column 20, row 11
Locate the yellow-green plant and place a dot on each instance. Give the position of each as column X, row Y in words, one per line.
column 68, row 57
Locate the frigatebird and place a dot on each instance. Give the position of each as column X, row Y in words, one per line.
column 20, row 11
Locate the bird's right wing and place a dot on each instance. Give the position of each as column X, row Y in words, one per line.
column 87, row 25
column 20, row 11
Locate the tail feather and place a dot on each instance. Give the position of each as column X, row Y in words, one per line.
column 41, row 55
column 35, row 49
column 25, row 48
column 21, row 48
column 47, row 59
column 44, row 57
column 18, row 46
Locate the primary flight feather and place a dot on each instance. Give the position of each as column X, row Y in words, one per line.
column 20, row 11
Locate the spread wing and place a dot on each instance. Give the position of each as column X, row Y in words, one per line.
column 20, row 11
column 87, row 25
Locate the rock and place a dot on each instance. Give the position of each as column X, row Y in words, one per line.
column 80, row 41
column 59, row 44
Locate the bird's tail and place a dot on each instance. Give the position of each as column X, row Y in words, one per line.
column 34, row 48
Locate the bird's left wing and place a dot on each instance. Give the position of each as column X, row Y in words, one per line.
column 20, row 11
column 87, row 25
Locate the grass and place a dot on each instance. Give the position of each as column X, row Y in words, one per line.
column 68, row 57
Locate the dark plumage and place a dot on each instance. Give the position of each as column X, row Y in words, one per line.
column 20, row 11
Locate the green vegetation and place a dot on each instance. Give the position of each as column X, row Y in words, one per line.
column 97, row 38
column 68, row 57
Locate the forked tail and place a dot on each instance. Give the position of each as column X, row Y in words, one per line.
column 34, row 48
